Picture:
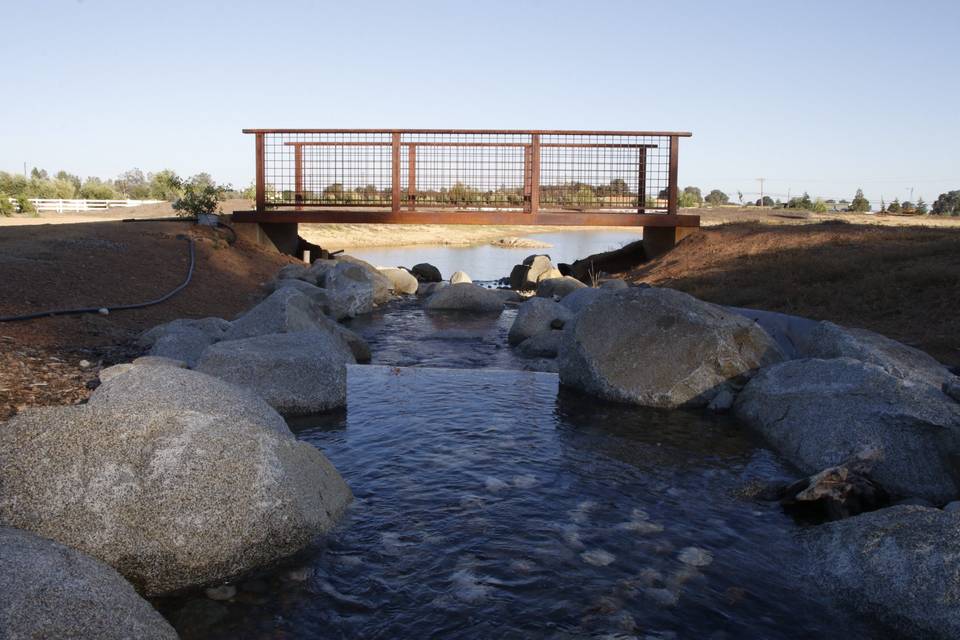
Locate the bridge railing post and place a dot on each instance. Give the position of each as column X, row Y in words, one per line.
column 395, row 172
column 534, row 173
column 672, row 188
column 261, row 202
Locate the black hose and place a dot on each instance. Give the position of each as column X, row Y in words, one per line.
column 122, row 307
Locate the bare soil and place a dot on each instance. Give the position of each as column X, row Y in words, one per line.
column 48, row 267
column 903, row 282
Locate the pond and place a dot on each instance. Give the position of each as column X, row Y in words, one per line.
column 490, row 503
column 487, row 262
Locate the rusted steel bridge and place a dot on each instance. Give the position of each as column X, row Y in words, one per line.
column 468, row 176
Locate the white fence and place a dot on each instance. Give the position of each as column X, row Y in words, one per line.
column 52, row 204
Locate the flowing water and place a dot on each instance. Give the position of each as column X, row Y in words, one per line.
column 487, row 262
column 489, row 503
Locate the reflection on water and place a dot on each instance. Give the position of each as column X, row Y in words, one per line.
column 490, row 505
column 486, row 262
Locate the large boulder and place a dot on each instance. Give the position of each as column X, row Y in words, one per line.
column 536, row 316
column 828, row 340
column 899, row 565
column 581, row 298
column 183, row 339
column 48, row 590
column 335, row 304
column 790, row 332
column 426, row 272
column 525, row 277
column 817, row 413
column 402, row 280
column 558, row 287
column 660, row 348
column 465, row 297
column 171, row 499
column 289, row 310
column 429, row 288
column 382, row 287
column 296, row 373
column 285, row 310
column 145, row 388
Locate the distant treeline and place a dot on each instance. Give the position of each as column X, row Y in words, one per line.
column 947, row 204
column 130, row 185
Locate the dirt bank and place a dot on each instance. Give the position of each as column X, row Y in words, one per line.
column 103, row 264
column 903, row 282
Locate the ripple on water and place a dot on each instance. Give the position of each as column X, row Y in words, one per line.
column 490, row 505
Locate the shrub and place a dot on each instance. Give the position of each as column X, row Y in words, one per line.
column 922, row 207
column 200, row 196
column 819, row 206
column 6, row 207
column 26, row 206
column 895, row 206
column 96, row 189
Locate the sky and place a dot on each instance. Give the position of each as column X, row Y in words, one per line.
column 823, row 97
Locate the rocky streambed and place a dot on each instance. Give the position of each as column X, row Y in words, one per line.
column 379, row 452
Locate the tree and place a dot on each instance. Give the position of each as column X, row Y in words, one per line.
column 859, row 203
column 39, row 174
column 740, row 197
column 802, row 202
column 883, row 205
column 894, row 206
column 164, row 185
column 922, row 207
column 717, row 197
column 133, row 184
column 687, row 200
column 694, row 192
column 96, row 189
column 819, row 206
column 908, row 207
column 947, row 204
column 766, row 201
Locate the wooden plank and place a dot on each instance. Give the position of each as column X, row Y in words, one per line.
column 354, row 216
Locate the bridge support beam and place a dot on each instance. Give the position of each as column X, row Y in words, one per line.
column 283, row 237
column 658, row 240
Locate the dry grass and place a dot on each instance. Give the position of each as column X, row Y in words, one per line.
column 903, row 282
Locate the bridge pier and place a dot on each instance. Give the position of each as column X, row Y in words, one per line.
column 658, row 240
column 281, row 236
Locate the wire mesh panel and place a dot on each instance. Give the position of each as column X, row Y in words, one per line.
column 467, row 170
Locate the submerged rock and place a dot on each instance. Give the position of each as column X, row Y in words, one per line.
column 827, row 340
column 465, row 297
column 170, row 498
column 900, row 565
column 296, row 373
column 818, row 413
column 660, row 348
column 536, row 316
column 48, row 590
column 837, row 492
column 542, row 345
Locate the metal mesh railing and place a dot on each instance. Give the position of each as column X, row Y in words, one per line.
column 467, row 170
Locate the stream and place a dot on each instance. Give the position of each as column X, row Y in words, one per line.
column 491, row 503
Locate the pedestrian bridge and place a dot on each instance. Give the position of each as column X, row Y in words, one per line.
column 469, row 176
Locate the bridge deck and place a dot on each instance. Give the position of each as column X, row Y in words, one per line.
column 541, row 218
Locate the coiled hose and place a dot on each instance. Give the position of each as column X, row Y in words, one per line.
column 122, row 307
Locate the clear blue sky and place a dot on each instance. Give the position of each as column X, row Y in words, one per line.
column 816, row 96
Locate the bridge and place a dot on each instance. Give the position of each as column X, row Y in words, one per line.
column 467, row 176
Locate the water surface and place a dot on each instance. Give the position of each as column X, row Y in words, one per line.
column 487, row 262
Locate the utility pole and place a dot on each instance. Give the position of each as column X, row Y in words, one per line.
column 761, row 190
